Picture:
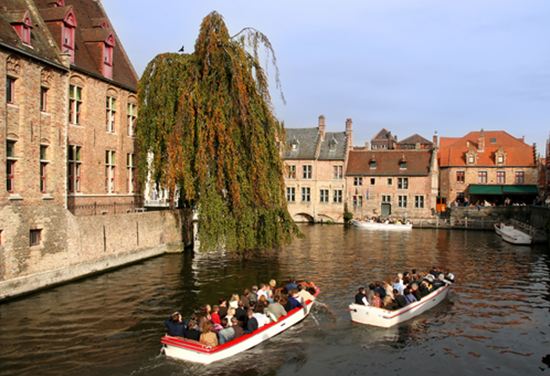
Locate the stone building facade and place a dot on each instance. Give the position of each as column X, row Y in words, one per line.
column 392, row 183
column 315, row 163
column 487, row 166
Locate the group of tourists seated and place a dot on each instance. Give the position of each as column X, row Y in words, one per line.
column 406, row 288
column 241, row 314
column 387, row 220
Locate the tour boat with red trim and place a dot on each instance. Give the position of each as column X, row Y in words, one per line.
column 384, row 318
column 192, row 351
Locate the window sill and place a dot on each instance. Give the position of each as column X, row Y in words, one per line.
column 13, row 105
column 47, row 196
column 15, row 197
column 45, row 113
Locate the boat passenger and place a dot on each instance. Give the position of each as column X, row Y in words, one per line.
column 252, row 323
column 230, row 314
column 208, row 337
column 261, row 305
column 240, row 314
column 292, row 301
column 361, row 297
column 234, row 301
column 244, row 298
column 253, row 297
column 380, row 290
column 292, row 285
column 227, row 333
column 215, row 315
column 262, row 291
column 376, row 301
column 174, row 325
column 399, row 299
column 304, row 295
column 388, row 289
column 192, row 331
column 273, row 285
column 276, row 310
column 424, row 288
column 239, row 331
column 409, row 297
column 398, row 283
column 370, row 292
column 261, row 318
column 223, row 307
column 415, row 291
column 388, row 302
column 439, row 282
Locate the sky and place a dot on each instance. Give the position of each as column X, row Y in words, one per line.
column 410, row 66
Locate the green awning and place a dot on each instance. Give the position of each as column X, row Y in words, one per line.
column 485, row 189
column 520, row 189
column 498, row 190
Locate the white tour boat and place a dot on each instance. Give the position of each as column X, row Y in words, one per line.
column 512, row 234
column 382, row 226
column 195, row 352
column 384, row 318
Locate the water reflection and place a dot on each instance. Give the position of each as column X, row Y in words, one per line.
column 495, row 319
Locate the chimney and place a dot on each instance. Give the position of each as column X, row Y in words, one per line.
column 349, row 124
column 322, row 127
column 481, row 141
column 435, row 140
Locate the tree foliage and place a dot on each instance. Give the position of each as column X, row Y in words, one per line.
column 207, row 118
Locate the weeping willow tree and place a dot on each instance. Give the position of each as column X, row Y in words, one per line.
column 207, row 119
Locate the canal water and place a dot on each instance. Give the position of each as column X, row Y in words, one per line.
column 495, row 321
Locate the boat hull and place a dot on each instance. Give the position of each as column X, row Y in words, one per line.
column 382, row 226
column 194, row 352
column 384, row 318
column 513, row 235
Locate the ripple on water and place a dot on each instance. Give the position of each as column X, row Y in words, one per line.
column 495, row 319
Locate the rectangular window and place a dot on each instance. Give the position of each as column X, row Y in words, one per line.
column 372, row 181
column 357, row 181
column 338, row 172
column 307, row 171
column 74, row 167
column 132, row 115
column 35, row 237
column 1, row 239
column 357, row 201
column 110, row 171
column 337, row 197
column 402, row 201
column 75, row 103
column 402, row 183
column 10, row 165
column 10, row 89
column 110, row 112
column 291, row 194
column 520, row 177
column 386, row 199
column 390, row 181
column 501, row 177
column 482, row 177
column 306, row 194
column 419, row 202
column 291, row 172
column 460, row 177
column 43, row 167
column 131, row 172
column 323, row 195
column 43, row 99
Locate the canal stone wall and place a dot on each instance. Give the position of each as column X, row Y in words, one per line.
column 72, row 247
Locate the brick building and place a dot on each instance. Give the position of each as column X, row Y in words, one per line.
column 67, row 110
column 398, row 183
column 487, row 165
column 414, row 142
column 314, row 161
column 383, row 140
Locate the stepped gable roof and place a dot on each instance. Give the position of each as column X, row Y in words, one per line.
column 42, row 46
column 414, row 139
column 301, row 143
column 383, row 134
column 452, row 150
column 388, row 162
column 94, row 26
column 334, row 146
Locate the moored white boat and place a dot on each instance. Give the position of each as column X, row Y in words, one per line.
column 512, row 235
column 382, row 226
column 385, row 318
column 195, row 352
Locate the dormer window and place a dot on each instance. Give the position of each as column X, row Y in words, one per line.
column 332, row 144
column 108, row 47
column 470, row 158
column 22, row 25
column 372, row 164
column 403, row 163
column 500, row 157
column 294, row 144
column 67, row 34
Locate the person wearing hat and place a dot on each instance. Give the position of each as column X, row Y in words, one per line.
column 174, row 325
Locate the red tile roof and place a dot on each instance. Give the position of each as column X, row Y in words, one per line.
column 388, row 162
column 452, row 149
